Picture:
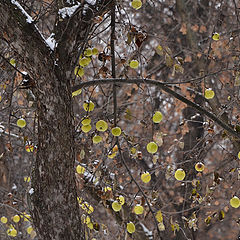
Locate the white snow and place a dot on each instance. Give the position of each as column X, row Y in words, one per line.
column 51, row 41
column 91, row 2
column 31, row 191
column 148, row 232
column 68, row 11
column 29, row 18
column 1, row 129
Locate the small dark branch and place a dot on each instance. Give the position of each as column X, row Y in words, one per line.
column 113, row 19
column 11, row 65
column 236, row 10
column 139, row 188
column 165, row 88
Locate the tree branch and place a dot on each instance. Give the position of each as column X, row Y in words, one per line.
column 165, row 88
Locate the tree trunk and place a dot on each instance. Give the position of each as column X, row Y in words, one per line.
column 55, row 209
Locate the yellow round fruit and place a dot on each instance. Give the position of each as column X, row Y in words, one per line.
column 80, row 169
column 86, row 121
column 136, row 4
column 121, row 199
column 138, row 209
column 239, row 155
column 86, row 128
column 90, row 225
column 134, row 64
column 101, row 126
column 116, row 131
column 4, row 219
column 152, row 147
column 16, row 218
column 77, row 92
column 88, row 52
column 12, row 232
column 146, row 177
column 116, row 206
column 97, row 139
column 79, row 71
column 83, row 62
column 180, row 174
column 95, row 51
column 131, row 227
column 21, row 122
column 216, row 36
column 235, row 202
column 199, row 167
column 157, row 117
column 88, row 106
column 29, row 230
column 209, row 93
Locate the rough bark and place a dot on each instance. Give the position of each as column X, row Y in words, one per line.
column 55, row 209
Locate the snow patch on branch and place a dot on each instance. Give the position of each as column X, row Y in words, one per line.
column 29, row 18
column 68, row 11
column 51, row 42
column 91, row 2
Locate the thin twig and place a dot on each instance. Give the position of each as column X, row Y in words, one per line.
column 138, row 186
column 113, row 19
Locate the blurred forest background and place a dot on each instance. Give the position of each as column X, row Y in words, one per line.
column 188, row 45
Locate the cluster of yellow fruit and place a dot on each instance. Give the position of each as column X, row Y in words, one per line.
column 88, row 106
column 180, row 173
column 152, row 147
column 117, row 204
column 101, row 125
column 11, row 231
column 84, row 61
column 88, row 209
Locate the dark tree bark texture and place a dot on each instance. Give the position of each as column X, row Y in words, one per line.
column 55, row 209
